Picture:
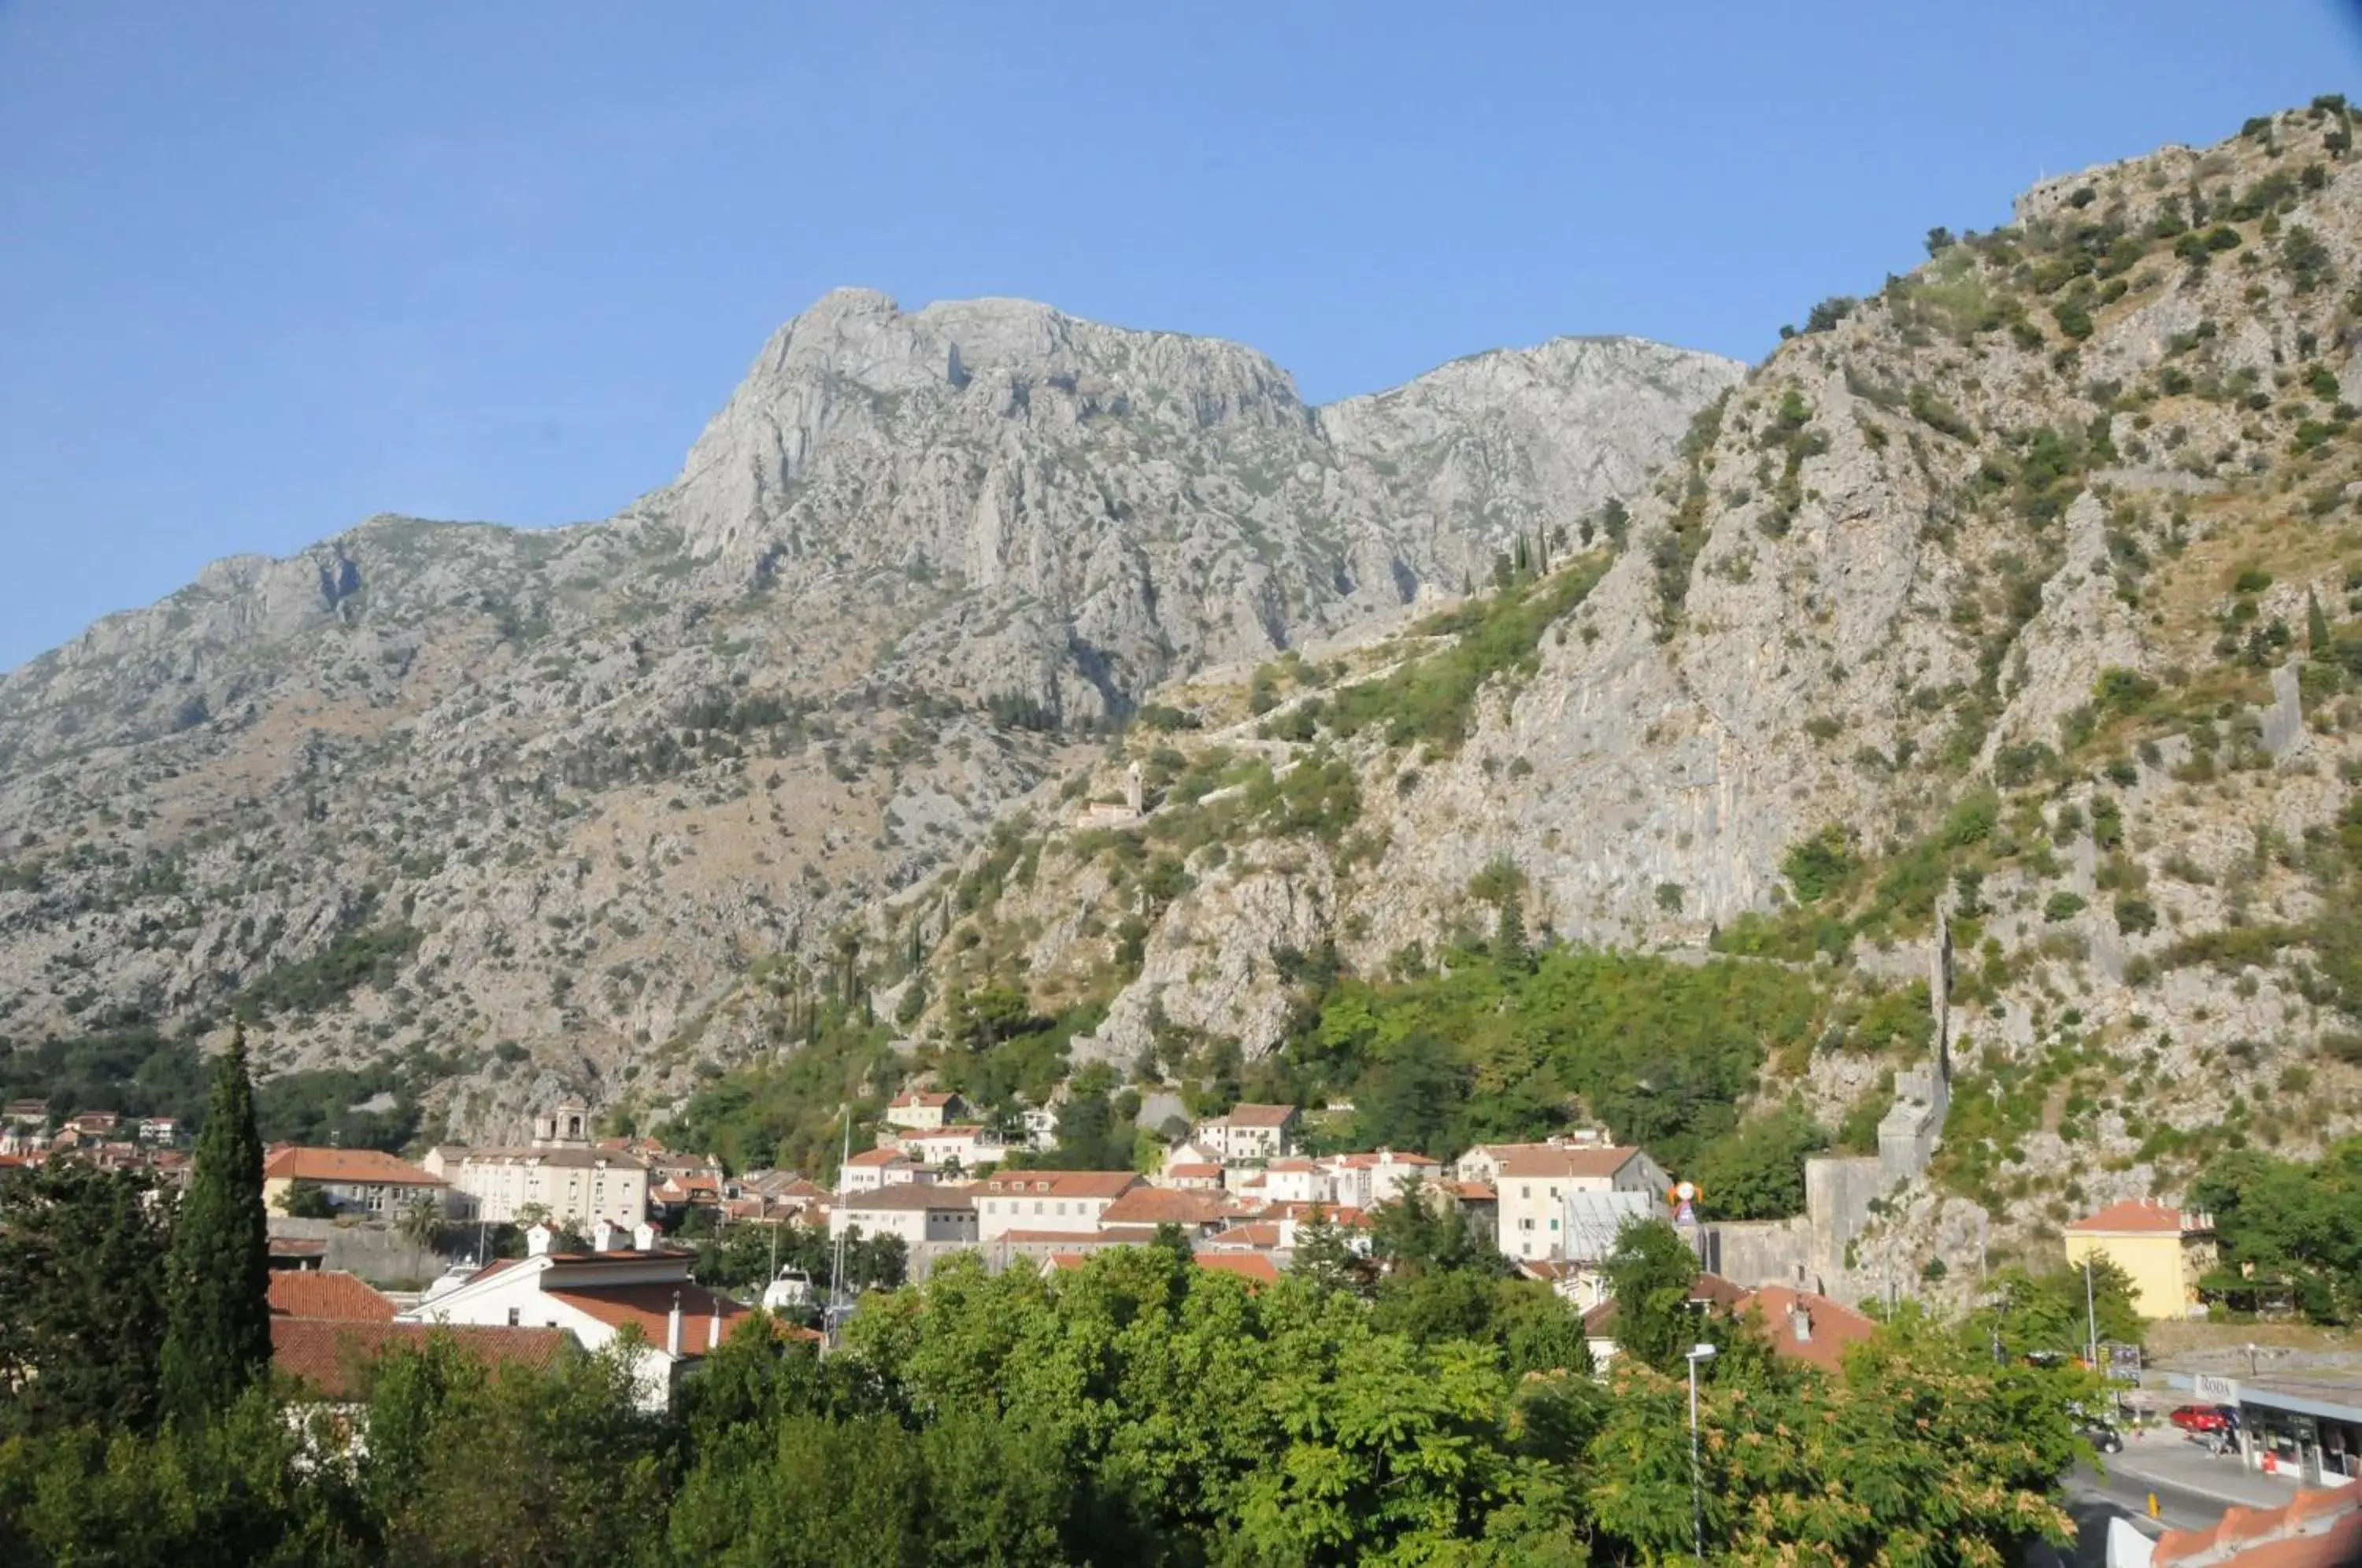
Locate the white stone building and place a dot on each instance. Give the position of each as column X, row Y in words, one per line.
column 1533, row 1180
column 623, row 1279
column 921, row 1110
column 1046, row 1200
column 916, row 1211
column 883, row 1167
column 964, row 1144
column 1250, row 1133
column 559, row 1174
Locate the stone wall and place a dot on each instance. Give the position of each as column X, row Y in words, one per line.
column 1759, row 1251
column 380, row 1254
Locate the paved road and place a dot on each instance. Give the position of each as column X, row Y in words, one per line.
column 2094, row 1499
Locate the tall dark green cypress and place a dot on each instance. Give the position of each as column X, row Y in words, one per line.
column 218, row 1276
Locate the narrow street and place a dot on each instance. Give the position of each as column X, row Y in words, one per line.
column 2193, row 1490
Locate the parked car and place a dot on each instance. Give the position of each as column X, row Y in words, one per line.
column 2102, row 1437
column 2201, row 1420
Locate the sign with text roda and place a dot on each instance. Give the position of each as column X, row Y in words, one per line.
column 2212, row 1390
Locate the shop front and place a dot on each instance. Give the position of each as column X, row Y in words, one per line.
column 2307, row 1427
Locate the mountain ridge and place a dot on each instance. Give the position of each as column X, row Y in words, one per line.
column 897, row 578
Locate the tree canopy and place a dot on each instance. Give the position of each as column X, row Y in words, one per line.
column 216, row 1274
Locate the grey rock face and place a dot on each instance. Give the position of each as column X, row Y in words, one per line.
column 1887, row 581
column 597, row 772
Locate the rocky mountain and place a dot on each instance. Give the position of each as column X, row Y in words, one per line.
column 503, row 806
column 2030, row 587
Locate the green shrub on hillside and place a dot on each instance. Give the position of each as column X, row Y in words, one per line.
column 369, row 956
column 1432, row 699
column 1493, row 1050
column 1816, row 867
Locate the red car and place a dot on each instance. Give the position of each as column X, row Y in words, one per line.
column 2201, row 1420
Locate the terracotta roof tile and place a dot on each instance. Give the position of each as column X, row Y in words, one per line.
column 1083, row 1241
column 903, row 1196
column 1833, row 1325
column 2140, row 1216
column 328, row 1293
column 296, row 1164
column 1253, row 1267
column 1245, row 1115
column 1061, row 1184
column 2318, row 1530
column 331, row 1357
column 1166, row 1205
column 1597, row 1160
column 650, row 1306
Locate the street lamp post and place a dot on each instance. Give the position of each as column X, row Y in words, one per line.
column 1697, row 1353
column 2090, row 1320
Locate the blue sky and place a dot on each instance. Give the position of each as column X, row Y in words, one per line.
column 268, row 268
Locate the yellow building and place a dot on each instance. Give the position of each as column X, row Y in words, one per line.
column 2165, row 1250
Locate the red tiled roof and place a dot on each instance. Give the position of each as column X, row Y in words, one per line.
column 909, row 1195
column 1258, row 1115
column 328, row 1293
column 2139, row 1216
column 869, row 1157
column 1088, row 1241
column 1253, row 1267
column 650, row 1306
column 1166, row 1205
column 1834, row 1326
column 330, row 1357
column 1258, row 1234
column 2317, row 1530
column 1193, row 1170
column 1061, row 1184
column 369, row 1165
column 1475, row 1192
column 926, row 1101
column 1597, row 1160
column 1340, row 1214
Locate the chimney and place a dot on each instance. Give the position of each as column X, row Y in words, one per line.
column 606, row 1236
column 643, row 1237
column 538, row 1239
column 672, row 1329
column 713, row 1327
column 1800, row 1323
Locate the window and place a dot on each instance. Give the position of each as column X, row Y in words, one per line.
column 513, row 1317
column 1553, row 1192
column 1062, row 1209
column 1554, row 1224
column 1037, row 1206
column 1525, row 1191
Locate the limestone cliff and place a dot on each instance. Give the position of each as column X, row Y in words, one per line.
column 520, row 805
column 2028, row 583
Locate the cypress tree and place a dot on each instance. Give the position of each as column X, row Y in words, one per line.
column 2316, row 626
column 217, row 1277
